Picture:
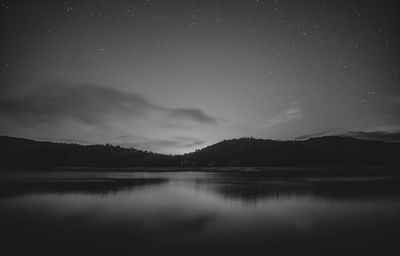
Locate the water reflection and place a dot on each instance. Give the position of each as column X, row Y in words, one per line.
column 199, row 213
column 252, row 192
column 95, row 186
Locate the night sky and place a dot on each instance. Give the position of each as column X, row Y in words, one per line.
column 175, row 76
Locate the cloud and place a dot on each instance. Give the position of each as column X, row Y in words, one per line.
column 388, row 136
column 291, row 114
column 385, row 134
column 192, row 114
column 395, row 99
column 312, row 135
column 54, row 103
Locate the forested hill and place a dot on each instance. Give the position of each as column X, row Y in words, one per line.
column 323, row 151
column 15, row 152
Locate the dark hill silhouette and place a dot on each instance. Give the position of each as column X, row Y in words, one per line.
column 323, row 151
column 17, row 152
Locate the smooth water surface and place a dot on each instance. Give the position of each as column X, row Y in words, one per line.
column 196, row 213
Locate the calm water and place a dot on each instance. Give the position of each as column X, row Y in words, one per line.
column 195, row 213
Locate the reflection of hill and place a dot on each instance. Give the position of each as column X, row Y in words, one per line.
column 253, row 191
column 98, row 186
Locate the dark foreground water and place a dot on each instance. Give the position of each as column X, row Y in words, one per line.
column 196, row 213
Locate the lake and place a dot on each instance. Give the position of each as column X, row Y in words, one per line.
column 197, row 213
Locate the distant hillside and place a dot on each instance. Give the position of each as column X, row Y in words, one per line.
column 17, row 152
column 323, row 151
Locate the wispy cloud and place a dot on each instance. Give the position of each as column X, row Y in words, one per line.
column 388, row 136
column 288, row 115
column 383, row 133
column 54, row 103
column 312, row 135
column 193, row 114
column 395, row 99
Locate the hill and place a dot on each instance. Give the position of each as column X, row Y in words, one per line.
column 323, row 151
column 17, row 152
